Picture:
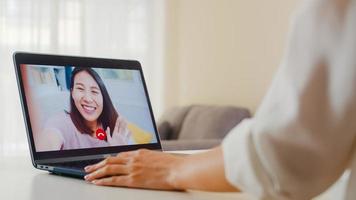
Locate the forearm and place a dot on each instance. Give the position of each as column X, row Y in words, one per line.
column 203, row 171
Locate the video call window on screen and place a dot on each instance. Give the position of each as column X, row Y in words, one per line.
column 76, row 108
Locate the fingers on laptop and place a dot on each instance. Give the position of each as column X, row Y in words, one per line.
column 107, row 161
column 107, row 170
column 113, row 181
column 114, row 167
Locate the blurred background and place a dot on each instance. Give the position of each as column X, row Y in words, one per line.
column 214, row 52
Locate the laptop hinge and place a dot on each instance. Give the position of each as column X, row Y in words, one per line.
column 70, row 159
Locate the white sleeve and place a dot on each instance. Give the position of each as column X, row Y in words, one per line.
column 301, row 138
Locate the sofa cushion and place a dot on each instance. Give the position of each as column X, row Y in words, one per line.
column 211, row 122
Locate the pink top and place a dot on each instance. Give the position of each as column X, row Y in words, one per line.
column 72, row 139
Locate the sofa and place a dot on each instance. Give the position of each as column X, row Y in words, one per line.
column 198, row 126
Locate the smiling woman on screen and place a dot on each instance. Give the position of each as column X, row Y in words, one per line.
column 92, row 121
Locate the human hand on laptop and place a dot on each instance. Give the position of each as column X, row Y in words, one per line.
column 121, row 134
column 140, row 169
column 158, row 170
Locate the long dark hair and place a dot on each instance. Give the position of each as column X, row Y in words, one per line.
column 108, row 116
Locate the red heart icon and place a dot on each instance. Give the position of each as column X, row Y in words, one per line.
column 100, row 134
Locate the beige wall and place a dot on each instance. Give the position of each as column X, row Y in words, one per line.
column 223, row 51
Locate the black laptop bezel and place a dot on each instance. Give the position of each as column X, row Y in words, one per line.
column 24, row 58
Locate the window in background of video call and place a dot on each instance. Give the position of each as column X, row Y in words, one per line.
column 48, row 94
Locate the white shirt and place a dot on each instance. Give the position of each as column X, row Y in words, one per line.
column 302, row 137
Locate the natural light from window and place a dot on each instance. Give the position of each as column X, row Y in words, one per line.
column 122, row 29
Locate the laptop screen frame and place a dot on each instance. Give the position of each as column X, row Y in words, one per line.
column 23, row 58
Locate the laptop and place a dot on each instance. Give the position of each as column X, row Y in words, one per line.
column 80, row 110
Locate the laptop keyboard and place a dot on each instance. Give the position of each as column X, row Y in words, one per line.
column 76, row 164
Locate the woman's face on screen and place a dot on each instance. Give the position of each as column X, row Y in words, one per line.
column 87, row 96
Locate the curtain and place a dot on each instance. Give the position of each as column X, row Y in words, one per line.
column 122, row 29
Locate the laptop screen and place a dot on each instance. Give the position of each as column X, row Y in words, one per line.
column 73, row 108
